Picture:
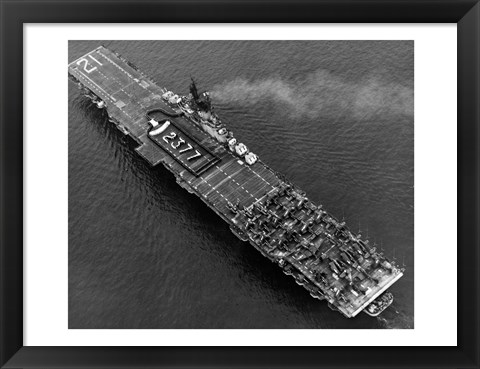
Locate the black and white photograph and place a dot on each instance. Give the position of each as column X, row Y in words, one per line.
column 241, row 184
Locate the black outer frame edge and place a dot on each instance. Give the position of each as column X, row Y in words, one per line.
column 11, row 184
column 468, row 179
column 14, row 14
column 240, row 11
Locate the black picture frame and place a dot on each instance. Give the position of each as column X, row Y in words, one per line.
column 14, row 14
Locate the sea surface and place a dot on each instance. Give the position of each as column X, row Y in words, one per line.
column 335, row 117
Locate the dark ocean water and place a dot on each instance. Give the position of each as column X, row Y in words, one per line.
column 335, row 117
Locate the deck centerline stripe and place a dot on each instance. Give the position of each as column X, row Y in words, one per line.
column 93, row 83
column 224, row 182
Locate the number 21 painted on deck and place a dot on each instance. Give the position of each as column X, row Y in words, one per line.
column 84, row 61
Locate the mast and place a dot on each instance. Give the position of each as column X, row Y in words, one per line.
column 193, row 89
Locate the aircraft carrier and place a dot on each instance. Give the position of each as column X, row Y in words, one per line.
column 184, row 133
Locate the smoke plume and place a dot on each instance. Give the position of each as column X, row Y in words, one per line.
column 321, row 94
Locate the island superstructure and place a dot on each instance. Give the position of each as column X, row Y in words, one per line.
column 184, row 133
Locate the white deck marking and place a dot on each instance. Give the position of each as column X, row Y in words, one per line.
column 82, row 57
column 101, row 89
column 269, row 192
column 220, row 183
column 96, row 85
column 115, row 64
column 123, row 89
column 90, row 55
column 232, row 190
column 259, row 176
column 234, row 181
column 108, row 96
column 138, row 80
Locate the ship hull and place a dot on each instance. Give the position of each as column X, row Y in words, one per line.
column 258, row 204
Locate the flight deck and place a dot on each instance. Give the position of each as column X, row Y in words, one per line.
column 259, row 204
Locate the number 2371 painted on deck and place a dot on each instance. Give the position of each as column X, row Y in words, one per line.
column 176, row 145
